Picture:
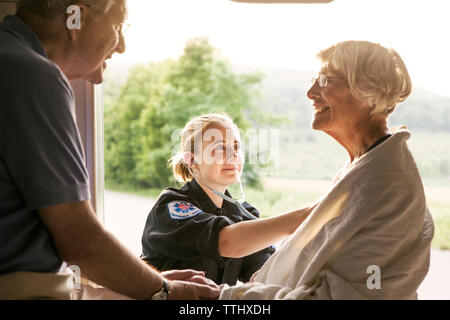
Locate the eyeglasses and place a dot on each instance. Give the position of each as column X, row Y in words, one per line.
column 322, row 79
column 120, row 28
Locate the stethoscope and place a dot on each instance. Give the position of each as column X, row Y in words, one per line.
column 238, row 203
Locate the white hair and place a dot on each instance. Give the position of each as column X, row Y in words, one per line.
column 377, row 76
column 48, row 8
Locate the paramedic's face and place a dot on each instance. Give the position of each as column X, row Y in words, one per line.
column 222, row 156
column 99, row 38
column 335, row 108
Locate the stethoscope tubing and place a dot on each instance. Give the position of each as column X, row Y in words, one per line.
column 238, row 203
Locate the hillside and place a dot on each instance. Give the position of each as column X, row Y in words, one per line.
column 283, row 92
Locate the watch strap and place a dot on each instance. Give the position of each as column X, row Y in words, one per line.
column 162, row 294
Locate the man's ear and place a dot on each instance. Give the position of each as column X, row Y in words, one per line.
column 76, row 19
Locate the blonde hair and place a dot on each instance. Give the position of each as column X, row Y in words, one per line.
column 192, row 133
column 377, row 76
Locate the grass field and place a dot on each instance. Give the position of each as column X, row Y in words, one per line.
column 441, row 217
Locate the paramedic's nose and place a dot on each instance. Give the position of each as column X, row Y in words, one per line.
column 232, row 155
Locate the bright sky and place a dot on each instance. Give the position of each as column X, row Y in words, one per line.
column 289, row 35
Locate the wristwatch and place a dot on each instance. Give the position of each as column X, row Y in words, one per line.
column 162, row 294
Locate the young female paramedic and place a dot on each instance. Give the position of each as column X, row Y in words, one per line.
column 194, row 227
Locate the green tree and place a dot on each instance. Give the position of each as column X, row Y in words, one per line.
column 157, row 100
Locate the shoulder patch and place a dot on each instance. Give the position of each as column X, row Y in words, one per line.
column 181, row 210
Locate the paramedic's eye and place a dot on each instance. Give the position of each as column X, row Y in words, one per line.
column 220, row 147
column 237, row 147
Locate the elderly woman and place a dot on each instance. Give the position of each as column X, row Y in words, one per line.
column 370, row 235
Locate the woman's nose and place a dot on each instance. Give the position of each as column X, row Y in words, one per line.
column 313, row 92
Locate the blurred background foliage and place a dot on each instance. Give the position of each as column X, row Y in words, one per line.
column 143, row 122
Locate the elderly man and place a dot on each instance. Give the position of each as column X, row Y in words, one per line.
column 46, row 219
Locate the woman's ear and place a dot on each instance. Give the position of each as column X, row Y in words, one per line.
column 76, row 19
column 189, row 158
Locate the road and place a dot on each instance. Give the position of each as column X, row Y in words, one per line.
column 125, row 217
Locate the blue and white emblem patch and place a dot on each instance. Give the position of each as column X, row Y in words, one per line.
column 180, row 210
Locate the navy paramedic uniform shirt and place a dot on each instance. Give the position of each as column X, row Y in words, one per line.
column 182, row 232
column 41, row 155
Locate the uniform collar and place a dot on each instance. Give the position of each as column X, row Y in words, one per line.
column 19, row 29
column 198, row 193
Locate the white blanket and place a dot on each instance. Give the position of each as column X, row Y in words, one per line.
column 369, row 237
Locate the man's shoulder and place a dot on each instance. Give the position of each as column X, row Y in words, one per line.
column 21, row 66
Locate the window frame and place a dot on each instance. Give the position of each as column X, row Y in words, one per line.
column 89, row 113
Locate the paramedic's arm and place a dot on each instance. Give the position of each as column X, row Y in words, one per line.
column 81, row 240
column 241, row 239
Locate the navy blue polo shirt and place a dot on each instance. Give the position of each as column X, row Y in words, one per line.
column 182, row 232
column 41, row 155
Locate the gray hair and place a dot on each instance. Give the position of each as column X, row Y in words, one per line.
column 376, row 75
column 49, row 8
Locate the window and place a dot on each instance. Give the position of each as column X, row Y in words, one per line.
column 281, row 42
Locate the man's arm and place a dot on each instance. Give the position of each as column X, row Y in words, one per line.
column 81, row 240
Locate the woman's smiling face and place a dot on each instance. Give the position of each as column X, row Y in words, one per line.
column 335, row 108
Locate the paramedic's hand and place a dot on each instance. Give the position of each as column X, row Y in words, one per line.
column 183, row 290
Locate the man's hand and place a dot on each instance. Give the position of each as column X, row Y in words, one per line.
column 189, row 275
column 173, row 275
column 183, row 290
column 191, row 284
